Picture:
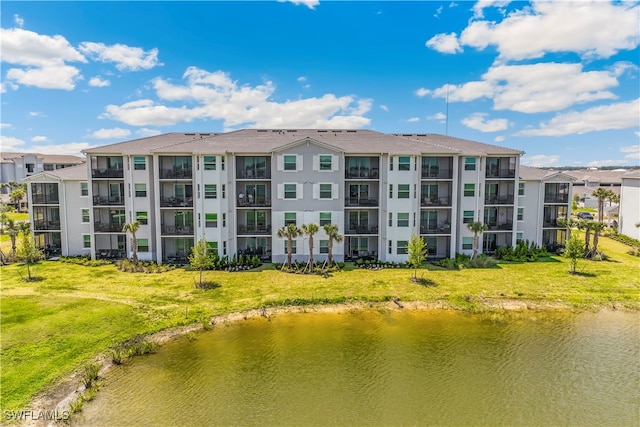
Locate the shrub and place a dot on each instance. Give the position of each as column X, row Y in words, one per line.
column 90, row 375
column 481, row 261
column 524, row 251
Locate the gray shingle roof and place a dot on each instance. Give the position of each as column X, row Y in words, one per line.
column 72, row 173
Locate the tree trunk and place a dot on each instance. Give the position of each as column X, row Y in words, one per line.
column 311, row 254
column 289, row 250
column 587, row 238
column 475, row 246
column 330, row 251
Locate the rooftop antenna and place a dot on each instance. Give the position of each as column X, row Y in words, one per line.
column 446, row 122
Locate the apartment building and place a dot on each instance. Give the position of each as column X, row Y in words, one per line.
column 17, row 166
column 237, row 189
column 630, row 205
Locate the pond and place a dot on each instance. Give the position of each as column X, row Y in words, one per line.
column 386, row 368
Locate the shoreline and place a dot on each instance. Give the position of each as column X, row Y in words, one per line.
column 59, row 396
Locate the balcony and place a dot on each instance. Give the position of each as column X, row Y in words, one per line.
column 107, row 173
column 435, row 201
column 502, row 226
column 433, row 229
column 176, row 202
column 45, row 199
column 177, row 230
column 110, row 254
column 500, row 173
column 46, row 225
column 436, row 173
column 499, row 200
column 254, row 229
column 248, row 201
column 362, row 173
column 253, row 174
column 551, row 223
column 360, row 201
column 362, row 229
column 556, row 198
column 176, row 173
column 108, row 227
column 108, row 200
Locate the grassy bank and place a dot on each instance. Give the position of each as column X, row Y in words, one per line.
column 50, row 327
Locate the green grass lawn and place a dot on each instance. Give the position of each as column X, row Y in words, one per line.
column 52, row 326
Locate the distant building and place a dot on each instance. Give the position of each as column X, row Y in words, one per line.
column 17, row 166
column 237, row 189
column 629, row 213
column 588, row 180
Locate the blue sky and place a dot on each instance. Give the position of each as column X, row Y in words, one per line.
column 558, row 80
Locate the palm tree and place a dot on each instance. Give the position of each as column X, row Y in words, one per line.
column 596, row 227
column 12, row 229
column 289, row 232
column 477, row 228
column 16, row 196
column 332, row 233
column 310, row 230
column 568, row 224
column 602, row 194
column 586, row 226
column 132, row 227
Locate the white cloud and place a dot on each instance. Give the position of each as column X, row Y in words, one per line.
column 125, row 57
column 584, row 27
column 631, row 151
column 19, row 21
column 437, row 116
column 5, row 125
column 534, row 88
column 311, row 4
column 42, row 57
column 444, row 43
column 597, row 163
column 35, row 114
column 302, row 79
column 217, row 97
column 70, row 149
column 541, row 160
column 478, row 8
column 384, row 107
column 144, row 132
column 477, row 121
column 499, row 138
column 423, row 92
column 606, row 117
column 39, row 138
column 10, row 143
column 98, row 81
column 413, row 120
column 109, row 133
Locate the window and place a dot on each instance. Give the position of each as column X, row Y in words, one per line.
column 469, row 190
column 390, row 219
column 224, row 191
column 224, row 219
column 403, row 191
column 290, row 191
column 211, row 220
column 142, row 217
column 390, row 166
column 143, row 245
column 390, row 191
column 212, row 246
column 401, row 247
column 390, row 246
column 84, row 188
column 290, row 218
column 520, row 214
column 325, row 218
column 325, row 163
column 141, row 190
column 139, row 163
column 85, row 215
column 404, row 163
column 29, row 167
column 469, row 163
column 518, row 237
column 209, row 163
column 467, row 217
column 222, row 162
column 403, row 219
column 325, row 191
column 467, row 243
column 294, row 246
column 290, row 163
column 210, row 191
column 48, row 167
column 521, row 189
column 224, row 248
column 324, row 246
column 86, row 241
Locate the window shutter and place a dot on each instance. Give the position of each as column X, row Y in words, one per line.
column 335, row 191
column 298, row 162
column 280, row 162
column 299, row 192
column 280, row 191
column 316, row 191
column 335, row 162
column 316, row 163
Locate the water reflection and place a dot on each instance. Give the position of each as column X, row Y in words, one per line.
column 394, row 368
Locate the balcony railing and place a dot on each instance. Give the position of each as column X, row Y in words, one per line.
column 551, row 223
column 503, row 226
column 362, row 229
column 249, row 201
column 258, row 174
column 177, row 230
column 358, row 201
column 180, row 173
column 435, row 173
column 110, row 254
column 43, row 199
column 108, row 201
column 362, row 173
column 177, row 202
column 107, row 173
column 254, row 229
column 46, row 225
column 435, row 201
column 500, row 173
column 499, row 200
column 108, row 227
column 431, row 229
column 559, row 198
